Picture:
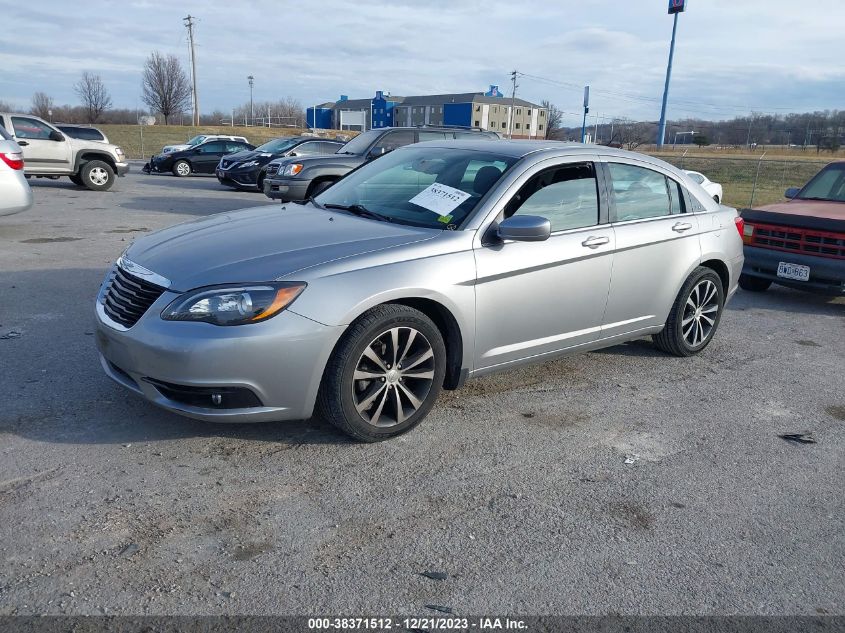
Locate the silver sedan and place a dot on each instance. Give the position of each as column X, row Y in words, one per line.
column 435, row 263
column 15, row 194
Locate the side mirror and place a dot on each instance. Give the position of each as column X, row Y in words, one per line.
column 525, row 228
column 56, row 136
column 791, row 192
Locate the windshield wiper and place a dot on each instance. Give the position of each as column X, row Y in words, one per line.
column 311, row 200
column 361, row 211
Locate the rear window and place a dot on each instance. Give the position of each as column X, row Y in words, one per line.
column 84, row 133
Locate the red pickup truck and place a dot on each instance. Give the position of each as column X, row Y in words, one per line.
column 799, row 243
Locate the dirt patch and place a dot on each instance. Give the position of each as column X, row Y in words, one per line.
column 634, row 515
column 837, row 411
column 248, row 551
column 807, row 343
column 50, row 240
column 142, row 229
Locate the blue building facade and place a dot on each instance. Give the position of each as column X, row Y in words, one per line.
column 382, row 111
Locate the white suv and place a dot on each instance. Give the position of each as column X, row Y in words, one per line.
column 48, row 152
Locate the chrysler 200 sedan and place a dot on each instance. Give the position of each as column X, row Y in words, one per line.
column 435, row 263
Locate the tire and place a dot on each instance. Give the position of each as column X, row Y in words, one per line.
column 97, row 175
column 754, row 284
column 182, row 168
column 695, row 315
column 320, row 187
column 259, row 182
column 366, row 407
column 77, row 180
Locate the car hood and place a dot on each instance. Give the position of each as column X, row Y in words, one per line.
column 262, row 244
column 249, row 154
column 810, row 208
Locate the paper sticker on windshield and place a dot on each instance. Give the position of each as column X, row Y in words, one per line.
column 441, row 199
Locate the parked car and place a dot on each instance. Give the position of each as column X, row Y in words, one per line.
column 712, row 188
column 50, row 153
column 799, row 243
column 84, row 132
column 247, row 169
column 298, row 179
column 432, row 264
column 199, row 159
column 15, row 194
column 199, row 139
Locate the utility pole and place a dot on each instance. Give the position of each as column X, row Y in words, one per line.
column 189, row 23
column 251, row 112
column 586, row 110
column 513, row 104
column 675, row 7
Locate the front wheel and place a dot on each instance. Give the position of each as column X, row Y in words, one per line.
column 754, row 284
column 319, row 187
column 385, row 374
column 695, row 315
column 182, row 168
column 97, row 175
column 77, row 180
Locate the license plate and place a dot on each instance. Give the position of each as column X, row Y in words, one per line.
column 793, row 271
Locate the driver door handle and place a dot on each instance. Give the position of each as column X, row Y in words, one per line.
column 680, row 227
column 22, row 143
column 595, row 242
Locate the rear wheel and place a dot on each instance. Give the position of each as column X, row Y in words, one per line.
column 695, row 315
column 182, row 168
column 754, row 284
column 97, row 175
column 385, row 374
column 259, row 182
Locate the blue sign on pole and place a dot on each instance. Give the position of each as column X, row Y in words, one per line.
column 677, row 6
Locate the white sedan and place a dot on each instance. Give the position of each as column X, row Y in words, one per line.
column 713, row 188
column 15, row 194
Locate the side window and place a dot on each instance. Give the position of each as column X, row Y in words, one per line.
column 30, row 128
column 305, row 149
column 428, row 135
column 567, row 195
column 696, row 177
column 638, row 193
column 329, row 148
column 391, row 141
column 677, row 196
column 212, row 148
column 235, row 146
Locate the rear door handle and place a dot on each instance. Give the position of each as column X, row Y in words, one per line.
column 680, row 227
column 22, row 143
column 595, row 242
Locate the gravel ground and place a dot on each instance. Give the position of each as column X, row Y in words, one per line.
column 517, row 488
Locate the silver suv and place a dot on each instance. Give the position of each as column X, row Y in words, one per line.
column 51, row 153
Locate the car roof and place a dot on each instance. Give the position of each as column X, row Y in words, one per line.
column 520, row 148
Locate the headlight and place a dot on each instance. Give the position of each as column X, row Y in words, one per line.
column 292, row 169
column 118, row 151
column 233, row 305
column 251, row 163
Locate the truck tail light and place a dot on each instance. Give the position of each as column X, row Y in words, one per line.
column 13, row 160
column 740, row 227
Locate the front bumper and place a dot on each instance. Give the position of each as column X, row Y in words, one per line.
column 280, row 361
column 827, row 276
column 121, row 168
column 238, row 177
column 286, row 189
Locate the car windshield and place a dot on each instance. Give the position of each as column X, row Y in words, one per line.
column 828, row 184
column 196, row 140
column 277, row 145
column 360, row 143
column 432, row 187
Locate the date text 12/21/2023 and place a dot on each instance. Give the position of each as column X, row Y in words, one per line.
column 417, row 623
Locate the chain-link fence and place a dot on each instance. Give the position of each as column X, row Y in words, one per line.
column 750, row 182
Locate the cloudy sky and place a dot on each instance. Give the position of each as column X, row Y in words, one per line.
column 732, row 56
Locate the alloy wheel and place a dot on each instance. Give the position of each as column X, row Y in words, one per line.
column 700, row 313
column 99, row 176
column 393, row 377
column 183, row 169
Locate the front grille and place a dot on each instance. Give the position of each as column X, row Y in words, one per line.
column 272, row 169
column 798, row 240
column 128, row 297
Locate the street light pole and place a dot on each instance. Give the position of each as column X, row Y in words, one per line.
column 675, row 7
column 251, row 111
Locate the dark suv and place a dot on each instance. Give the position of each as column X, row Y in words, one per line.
column 295, row 179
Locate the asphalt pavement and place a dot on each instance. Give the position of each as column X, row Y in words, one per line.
column 622, row 481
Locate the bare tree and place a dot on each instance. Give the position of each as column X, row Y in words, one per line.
column 42, row 105
column 553, row 118
column 5, row 106
column 95, row 98
column 165, row 86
